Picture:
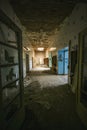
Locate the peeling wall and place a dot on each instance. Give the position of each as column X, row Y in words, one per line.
column 70, row 29
column 72, row 26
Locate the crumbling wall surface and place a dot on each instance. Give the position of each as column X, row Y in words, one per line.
column 72, row 26
column 69, row 32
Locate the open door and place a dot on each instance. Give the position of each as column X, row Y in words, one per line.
column 73, row 60
column 63, row 61
column 66, row 62
column 60, row 62
column 50, row 59
column 27, row 63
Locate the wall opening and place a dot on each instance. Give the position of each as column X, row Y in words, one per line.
column 63, row 61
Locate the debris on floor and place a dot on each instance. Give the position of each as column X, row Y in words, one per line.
column 44, row 104
column 50, row 108
column 27, row 81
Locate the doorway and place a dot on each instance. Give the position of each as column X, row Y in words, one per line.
column 27, row 63
column 50, row 59
column 63, row 61
column 73, row 60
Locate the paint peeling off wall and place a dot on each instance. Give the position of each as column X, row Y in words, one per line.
column 69, row 31
column 72, row 26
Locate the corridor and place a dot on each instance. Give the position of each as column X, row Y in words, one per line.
column 43, row 64
column 47, row 78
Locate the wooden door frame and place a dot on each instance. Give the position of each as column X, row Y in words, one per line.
column 81, row 109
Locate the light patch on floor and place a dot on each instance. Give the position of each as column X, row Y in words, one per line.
column 40, row 68
column 51, row 80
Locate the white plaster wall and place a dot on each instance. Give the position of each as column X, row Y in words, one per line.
column 72, row 26
column 46, row 54
column 70, row 29
column 39, row 57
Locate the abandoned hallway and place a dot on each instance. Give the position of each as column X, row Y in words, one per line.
column 43, row 64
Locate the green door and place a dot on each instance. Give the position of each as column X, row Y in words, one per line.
column 50, row 59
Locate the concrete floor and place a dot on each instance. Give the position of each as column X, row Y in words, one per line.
column 50, row 104
column 46, row 78
column 40, row 68
column 50, row 80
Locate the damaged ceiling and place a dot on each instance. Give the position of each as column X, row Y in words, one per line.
column 42, row 18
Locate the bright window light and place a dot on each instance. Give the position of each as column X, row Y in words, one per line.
column 40, row 49
column 52, row 48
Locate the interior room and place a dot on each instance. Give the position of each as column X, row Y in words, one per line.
column 43, row 64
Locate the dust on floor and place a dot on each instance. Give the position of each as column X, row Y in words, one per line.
column 50, row 108
column 51, row 80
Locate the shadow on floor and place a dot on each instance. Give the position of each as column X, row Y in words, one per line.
column 50, row 109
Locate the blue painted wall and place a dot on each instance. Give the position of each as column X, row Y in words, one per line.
column 66, row 63
column 60, row 62
column 63, row 61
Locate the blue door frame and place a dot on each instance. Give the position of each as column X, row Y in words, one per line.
column 63, row 61
column 60, row 62
column 66, row 62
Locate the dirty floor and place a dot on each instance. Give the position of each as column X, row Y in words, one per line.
column 50, row 106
